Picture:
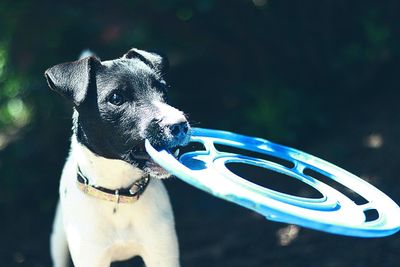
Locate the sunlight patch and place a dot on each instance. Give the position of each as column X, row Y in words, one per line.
column 287, row 235
column 259, row 3
column 374, row 141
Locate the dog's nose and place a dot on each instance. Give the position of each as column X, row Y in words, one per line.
column 169, row 128
column 179, row 130
column 167, row 135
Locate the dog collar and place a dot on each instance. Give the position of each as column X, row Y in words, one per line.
column 123, row 195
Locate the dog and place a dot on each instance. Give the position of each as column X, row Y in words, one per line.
column 113, row 204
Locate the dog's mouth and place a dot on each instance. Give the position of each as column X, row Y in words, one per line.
column 139, row 156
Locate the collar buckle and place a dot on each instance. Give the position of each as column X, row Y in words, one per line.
column 117, row 196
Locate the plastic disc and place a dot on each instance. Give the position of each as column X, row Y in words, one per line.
column 334, row 212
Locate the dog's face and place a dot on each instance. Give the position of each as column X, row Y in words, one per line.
column 120, row 103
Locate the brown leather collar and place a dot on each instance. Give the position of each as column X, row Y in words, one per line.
column 124, row 195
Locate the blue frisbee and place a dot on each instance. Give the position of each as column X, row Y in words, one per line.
column 334, row 212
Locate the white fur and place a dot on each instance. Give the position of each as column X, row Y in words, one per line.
column 107, row 173
column 98, row 231
column 171, row 114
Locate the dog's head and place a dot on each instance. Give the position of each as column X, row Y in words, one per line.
column 120, row 103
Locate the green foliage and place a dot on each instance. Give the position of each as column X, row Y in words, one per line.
column 14, row 111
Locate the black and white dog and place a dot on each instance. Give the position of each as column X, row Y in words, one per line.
column 112, row 204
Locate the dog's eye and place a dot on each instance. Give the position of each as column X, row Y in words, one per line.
column 116, row 99
column 162, row 87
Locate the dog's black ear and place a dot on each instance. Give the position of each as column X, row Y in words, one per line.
column 154, row 60
column 72, row 79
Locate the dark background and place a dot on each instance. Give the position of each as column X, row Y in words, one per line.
column 321, row 76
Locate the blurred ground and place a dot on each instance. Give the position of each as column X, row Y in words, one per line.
column 321, row 76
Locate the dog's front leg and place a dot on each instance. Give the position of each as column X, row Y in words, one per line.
column 89, row 255
column 161, row 249
column 58, row 241
column 161, row 260
column 86, row 245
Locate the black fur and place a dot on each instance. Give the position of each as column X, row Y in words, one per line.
column 110, row 130
column 72, row 79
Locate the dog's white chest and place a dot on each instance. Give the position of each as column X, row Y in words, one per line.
column 119, row 230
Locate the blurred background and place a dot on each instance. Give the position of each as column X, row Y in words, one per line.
column 321, row 76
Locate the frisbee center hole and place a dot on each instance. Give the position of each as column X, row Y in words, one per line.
column 348, row 192
column 371, row 215
column 253, row 154
column 273, row 180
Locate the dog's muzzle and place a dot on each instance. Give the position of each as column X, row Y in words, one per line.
column 161, row 136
